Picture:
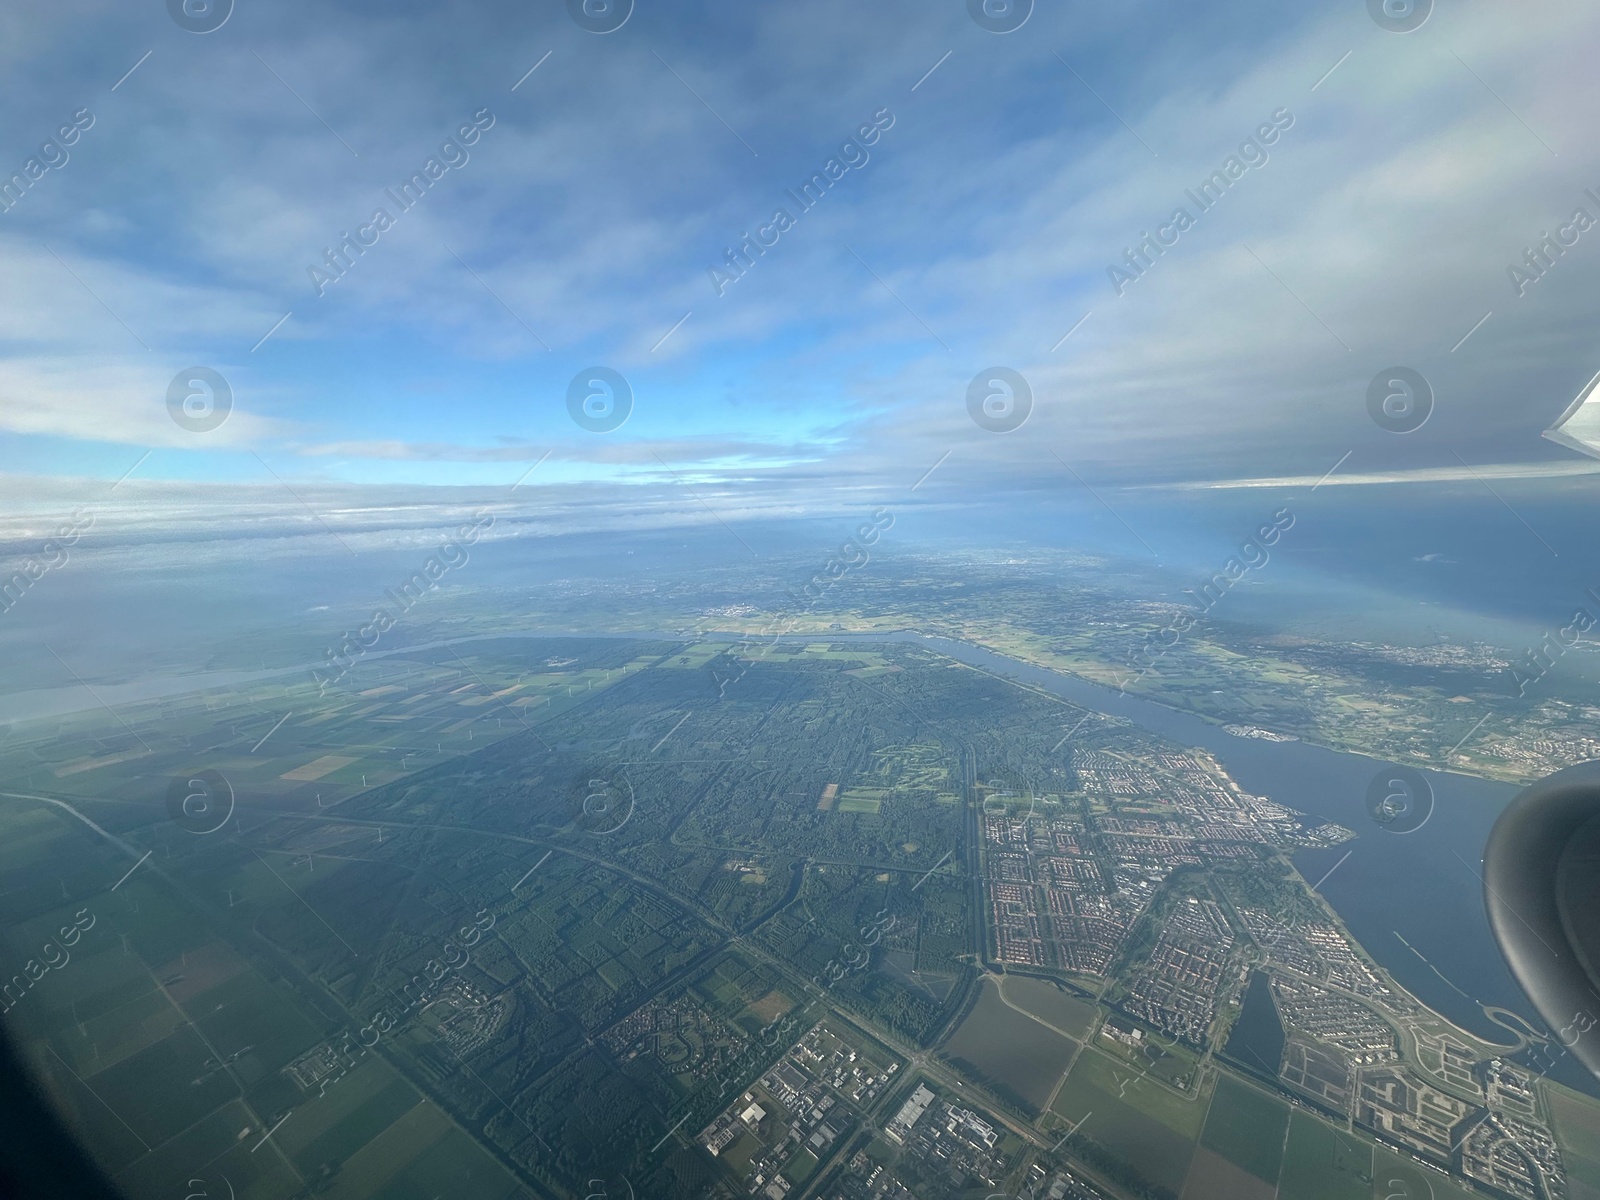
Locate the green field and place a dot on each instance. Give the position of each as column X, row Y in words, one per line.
column 1395, row 1175
column 316, row 1129
column 1167, row 1061
column 1014, row 1054
column 693, row 657
column 1576, row 1119
column 860, row 800
column 1141, row 1122
column 1586, row 1187
column 1184, row 1115
column 800, row 1166
column 176, row 1071
column 420, row 1156
column 1321, row 1163
column 1051, row 1003
column 204, row 1142
column 246, row 1012
column 1246, row 1126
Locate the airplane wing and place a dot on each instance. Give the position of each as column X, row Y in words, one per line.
column 1579, row 427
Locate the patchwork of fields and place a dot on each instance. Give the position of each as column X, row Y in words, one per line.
column 525, row 914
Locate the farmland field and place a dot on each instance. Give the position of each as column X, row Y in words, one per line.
column 1138, row 1120
column 1247, row 1127
column 1051, row 1003
column 1321, row 1163
column 1010, row 1051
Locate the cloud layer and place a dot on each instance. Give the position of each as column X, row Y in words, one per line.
column 977, row 231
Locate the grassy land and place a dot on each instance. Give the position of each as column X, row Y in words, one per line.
column 1396, row 1175
column 1140, row 1121
column 1246, row 1126
column 1322, row 1163
column 1181, row 1114
column 1010, row 1051
column 1051, row 1003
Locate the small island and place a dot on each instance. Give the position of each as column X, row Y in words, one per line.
column 1252, row 731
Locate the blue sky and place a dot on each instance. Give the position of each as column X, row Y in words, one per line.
column 581, row 229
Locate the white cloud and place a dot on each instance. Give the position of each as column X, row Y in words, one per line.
column 1421, row 475
column 592, row 208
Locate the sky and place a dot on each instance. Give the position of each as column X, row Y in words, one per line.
column 589, row 226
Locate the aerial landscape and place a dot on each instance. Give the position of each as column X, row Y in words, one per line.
column 913, row 601
column 836, row 915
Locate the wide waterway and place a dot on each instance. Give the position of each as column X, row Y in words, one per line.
column 1422, row 886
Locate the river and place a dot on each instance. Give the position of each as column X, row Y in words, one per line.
column 1422, row 886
